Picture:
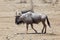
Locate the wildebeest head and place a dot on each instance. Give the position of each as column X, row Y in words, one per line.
column 17, row 19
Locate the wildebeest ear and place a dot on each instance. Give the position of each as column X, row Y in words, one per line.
column 19, row 14
column 16, row 13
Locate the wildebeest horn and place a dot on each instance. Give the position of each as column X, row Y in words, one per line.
column 20, row 14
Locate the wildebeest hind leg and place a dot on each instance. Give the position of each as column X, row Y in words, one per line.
column 33, row 28
column 44, row 27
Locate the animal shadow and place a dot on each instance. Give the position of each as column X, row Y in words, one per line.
column 38, row 33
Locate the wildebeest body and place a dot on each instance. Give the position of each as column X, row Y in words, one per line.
column 31, row 18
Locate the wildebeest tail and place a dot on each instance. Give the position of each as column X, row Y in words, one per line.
column 48, row 22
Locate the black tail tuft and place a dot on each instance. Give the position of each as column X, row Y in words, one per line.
column 48, row 22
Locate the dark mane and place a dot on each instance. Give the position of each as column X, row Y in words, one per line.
column 25, row 11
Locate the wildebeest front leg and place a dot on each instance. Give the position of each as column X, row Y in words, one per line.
column 42, row 29
column 33, row 28
column 27, row 28
column 45, row 28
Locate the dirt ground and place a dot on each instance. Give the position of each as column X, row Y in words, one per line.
column 10, row 31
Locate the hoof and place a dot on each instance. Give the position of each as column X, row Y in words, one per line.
column 44, row 32
column 36, row 32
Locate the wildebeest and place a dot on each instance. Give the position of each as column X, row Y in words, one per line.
column 32, row 18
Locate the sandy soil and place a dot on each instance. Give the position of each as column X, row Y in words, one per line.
column 10, row 31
